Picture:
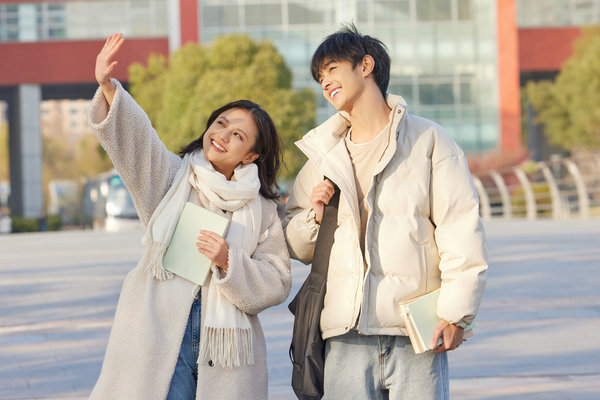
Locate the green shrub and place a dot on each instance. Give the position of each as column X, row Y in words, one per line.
column 21, row 224
column 53, row 222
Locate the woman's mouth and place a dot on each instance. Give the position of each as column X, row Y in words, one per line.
column 217, row 146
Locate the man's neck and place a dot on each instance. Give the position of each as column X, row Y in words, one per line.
column 369, row 115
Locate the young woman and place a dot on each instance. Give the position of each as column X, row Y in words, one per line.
column 172, row 339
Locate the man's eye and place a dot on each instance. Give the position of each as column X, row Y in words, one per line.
column 332, row 68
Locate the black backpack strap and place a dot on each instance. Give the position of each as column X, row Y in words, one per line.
column 307, row 349
column 320, row 263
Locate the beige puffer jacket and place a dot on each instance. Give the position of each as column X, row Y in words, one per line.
column 423, row 226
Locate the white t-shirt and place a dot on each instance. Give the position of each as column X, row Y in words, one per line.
column 365, row 157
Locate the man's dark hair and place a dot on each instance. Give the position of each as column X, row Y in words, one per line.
column 349, row 45
column 267, row 146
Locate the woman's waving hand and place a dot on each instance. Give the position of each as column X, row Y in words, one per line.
column 105, row 65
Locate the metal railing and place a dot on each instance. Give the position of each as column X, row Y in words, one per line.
column 557, row 189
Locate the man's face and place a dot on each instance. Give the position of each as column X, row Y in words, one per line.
column 341, row 83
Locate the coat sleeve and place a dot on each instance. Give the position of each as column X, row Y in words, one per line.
column 125, row 132
column 299, row 224
column 459, row 234
column 255, row 283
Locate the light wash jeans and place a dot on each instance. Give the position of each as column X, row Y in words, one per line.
column 382, row 367
column 183, row 383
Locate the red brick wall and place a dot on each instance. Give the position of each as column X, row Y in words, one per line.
column 68, row 61
column 546, row 49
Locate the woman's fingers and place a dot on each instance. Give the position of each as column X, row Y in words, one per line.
column 104, row 62
column 214, row 247
column 115, row 45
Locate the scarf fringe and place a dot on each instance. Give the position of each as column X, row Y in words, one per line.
column 155, row 266
column 227, row 347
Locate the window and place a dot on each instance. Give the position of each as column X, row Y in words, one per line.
column 263, row 14
column 299, row 13
column 434, row 10
column 220, row 16
column 430, row 94
column 386, row 10
column 464, row 10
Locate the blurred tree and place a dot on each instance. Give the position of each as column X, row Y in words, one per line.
column 180, row 95
column 66, row 160
column 4, row 161
column 569, row 107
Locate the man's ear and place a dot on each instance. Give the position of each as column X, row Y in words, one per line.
column 368, row 64
column 249, row 158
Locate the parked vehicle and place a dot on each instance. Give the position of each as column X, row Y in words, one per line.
column 106, row 204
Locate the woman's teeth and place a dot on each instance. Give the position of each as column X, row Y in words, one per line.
column 217, row 146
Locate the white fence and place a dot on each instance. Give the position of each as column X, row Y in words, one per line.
column 558, row 189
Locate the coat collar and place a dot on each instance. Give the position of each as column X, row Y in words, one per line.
column 320, row 140
column 324, row 145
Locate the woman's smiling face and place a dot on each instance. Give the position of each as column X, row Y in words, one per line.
column 230, row 140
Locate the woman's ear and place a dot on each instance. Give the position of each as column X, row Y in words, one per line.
column 249, row 158
column 367, row 65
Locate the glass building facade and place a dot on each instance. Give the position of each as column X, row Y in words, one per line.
column 557, row 13
column 444, row 52
column 80, row 20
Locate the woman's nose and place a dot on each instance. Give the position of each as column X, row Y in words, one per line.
column 225, row 135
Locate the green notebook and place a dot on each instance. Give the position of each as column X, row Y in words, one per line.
column 182, row 257
column 420, row 319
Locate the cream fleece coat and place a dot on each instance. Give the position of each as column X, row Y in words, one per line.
column 423, row 226
column 151, row 315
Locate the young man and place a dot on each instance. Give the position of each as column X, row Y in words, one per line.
column 408, row 223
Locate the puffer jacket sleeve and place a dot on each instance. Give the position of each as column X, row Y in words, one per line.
column 143, row 162
column 262, row 280
column 459, row 233
column 299, row 224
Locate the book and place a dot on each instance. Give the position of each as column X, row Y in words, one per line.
column 420, row 319
column 182, row 256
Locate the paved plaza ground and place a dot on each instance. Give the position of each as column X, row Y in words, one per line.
column 536, row 335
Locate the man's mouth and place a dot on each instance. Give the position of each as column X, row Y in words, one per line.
column 217, row 146
column 334, row 92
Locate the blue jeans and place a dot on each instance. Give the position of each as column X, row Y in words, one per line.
column 183, row 383
column 382, row 367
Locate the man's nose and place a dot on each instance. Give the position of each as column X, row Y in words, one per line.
column 325, row 83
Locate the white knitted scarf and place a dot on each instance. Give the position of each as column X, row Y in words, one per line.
column 226, row 336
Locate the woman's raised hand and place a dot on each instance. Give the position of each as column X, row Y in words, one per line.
column 104, row 62
column 105, row 65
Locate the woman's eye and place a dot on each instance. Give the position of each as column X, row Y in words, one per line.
column 221, row 123
column 238, row 135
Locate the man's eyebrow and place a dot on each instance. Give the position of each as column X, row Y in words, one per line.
column 325, row 65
